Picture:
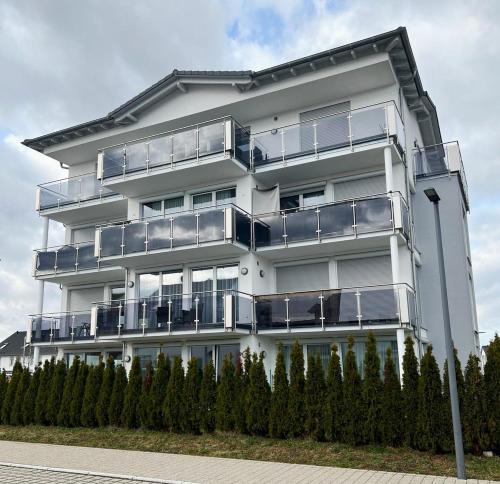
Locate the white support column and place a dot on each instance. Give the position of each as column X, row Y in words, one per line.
column 389, row 178
column 400, row 338
column 60, row 354
column 393, row 241
column 127, row 352
column 36, row 356
column 41, row 284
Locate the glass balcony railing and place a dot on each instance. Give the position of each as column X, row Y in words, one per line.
column 347, row 129
column 192, row 143
column 66, row 259
column 439, row 159
column 374, row 305
column 173, row 231
column 70, row 326
column 226, row 309
column 339, row 219
column 68, row 191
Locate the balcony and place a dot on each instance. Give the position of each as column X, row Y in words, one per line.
column 333, row 309
column 74, row 199
column 72, row 263
column 441, row 159
column 216, row 232
column 220, row 311
column 359, row 133
column 312, row 229
column 217, row 148
column 54, row 327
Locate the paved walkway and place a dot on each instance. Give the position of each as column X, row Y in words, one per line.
column 151, row 466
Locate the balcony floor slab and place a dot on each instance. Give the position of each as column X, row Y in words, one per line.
column 105, row 274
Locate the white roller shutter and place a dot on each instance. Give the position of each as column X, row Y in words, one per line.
column 86, row 234
column 303, row 277
column 325, row 111
column 82, row 299
column 362, row 187
column 366, row 271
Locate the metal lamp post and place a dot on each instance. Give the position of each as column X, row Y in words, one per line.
column 455, row 409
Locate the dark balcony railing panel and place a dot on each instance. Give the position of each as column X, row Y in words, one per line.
column 243, row 228
column 160, row 151
column 184, row 230
column 269, row 230
column 368, row 125
column 373, row 214
column 301, row 226
column 134, row 237
column 61, row 327
column 67, row 258
column 211, row 139
column 331, row 307
column 211, row 226
column 336, row 220
column 113, row 161
column 72, row 190
column 111, row 240
column 159, row 236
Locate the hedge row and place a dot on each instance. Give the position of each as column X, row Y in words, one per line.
column 338, row 407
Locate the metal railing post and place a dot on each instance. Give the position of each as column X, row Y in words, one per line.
column 358, row 307
column 143, row 324
column 287, row 319
column 196, row 320
column 350, row 135
column 315, row 137
column 169, row 320
column 322, row 317
column 283, row 146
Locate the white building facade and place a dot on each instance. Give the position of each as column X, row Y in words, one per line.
column 222, row 210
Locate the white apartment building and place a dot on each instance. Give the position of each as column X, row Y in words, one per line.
column 219, row 210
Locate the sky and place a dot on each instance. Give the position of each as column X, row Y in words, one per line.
column 65, row 62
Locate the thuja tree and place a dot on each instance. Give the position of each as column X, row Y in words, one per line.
column 448, row 443
column 334, row 397
column 278, row 415
column 144, row 407
column 158, row 391
column 3, row 389
column 430, row 405
column 30, row 397
column 173, row 406
column 75, row 406
column 372, row 392
column 130, row 413
column 353, row 431
column 208, row 397
column 315, row 398
column 10, row 394
column 117, row 396
column 241, row 387
column 391, row 412
column 492, row 390
column 192, row 407
column 55, row 392
column 296, row 412
column 91, row 394
column 410, row 394
column 224, row 415
column 43, row 392
column 474, row 407
column 16, row 417
column 258, row 398
column 64, row 415
column 102, row 406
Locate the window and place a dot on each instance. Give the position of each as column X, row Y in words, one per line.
column 93, row 359
column 223, row 351
column 149, row 354
column 359, row 351
column 162, row 207
column 302, row 200
column 226, row 279
column 203, row 355
column 214, row 198
column 117, row 357
column 323, row 350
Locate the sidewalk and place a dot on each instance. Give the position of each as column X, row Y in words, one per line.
column 192, row 469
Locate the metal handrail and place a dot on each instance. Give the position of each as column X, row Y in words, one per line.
column 329, row 204
column 42, row 185
column 383, row 103
column 60, row 246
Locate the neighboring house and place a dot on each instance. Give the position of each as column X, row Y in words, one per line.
column 14, row 348
column 223, row 209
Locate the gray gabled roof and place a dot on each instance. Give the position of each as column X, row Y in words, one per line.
column 13, row 345
column 395, row 42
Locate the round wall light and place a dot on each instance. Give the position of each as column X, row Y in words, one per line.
column 261, row 273
column 130, row 284
column 127, row 359
column 244, row 271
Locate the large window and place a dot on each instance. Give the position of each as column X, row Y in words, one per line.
column 223, row 351
column 162, row 207
column 359, row 352
column 302, row 200
column 149, row 354
column 203, row 355
column 214, row 198
column 323, row 350
column 208, row 296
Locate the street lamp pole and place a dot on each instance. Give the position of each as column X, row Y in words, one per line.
column 452, row 376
